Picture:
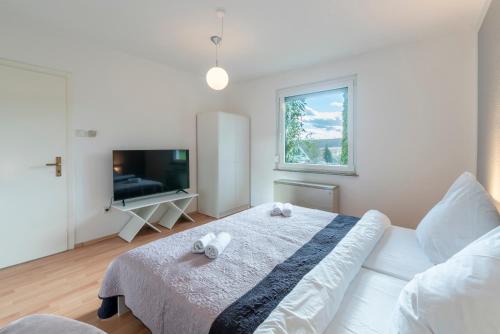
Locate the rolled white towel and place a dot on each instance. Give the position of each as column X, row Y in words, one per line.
column 277, row 209
column 200, row 244
column 217, row 245
column 287, row 210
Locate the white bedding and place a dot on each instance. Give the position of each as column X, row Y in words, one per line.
column 371, row 299
column 310, row 306
column 368, row 304
column 359, row 300
column 398, row 254
column 186, row 292
column 459, row 296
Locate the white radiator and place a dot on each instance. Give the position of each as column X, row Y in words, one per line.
column 307, row 194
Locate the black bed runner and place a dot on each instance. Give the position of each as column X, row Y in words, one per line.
column 250, row 310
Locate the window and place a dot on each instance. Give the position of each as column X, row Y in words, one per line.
column 316, row 127
column 180, row 155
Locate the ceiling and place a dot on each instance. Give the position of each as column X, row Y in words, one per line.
column 261, row 36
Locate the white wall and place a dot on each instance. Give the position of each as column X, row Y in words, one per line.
column 416, row 117
column 131, row 102
column 415, row 131
column 488, row 165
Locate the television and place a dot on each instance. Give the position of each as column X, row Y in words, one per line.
column 138, row 173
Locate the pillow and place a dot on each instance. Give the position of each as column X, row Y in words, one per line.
column 118, row 178
column 459, row 296
column 464, row 214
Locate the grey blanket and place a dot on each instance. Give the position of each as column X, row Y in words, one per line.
column 172, row 290
column 246, row 314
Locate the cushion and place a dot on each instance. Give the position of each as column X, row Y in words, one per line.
column 48, row 324
column 459, row 296
column 465, row 213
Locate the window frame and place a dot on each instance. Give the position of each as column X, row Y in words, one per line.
column 281, row 94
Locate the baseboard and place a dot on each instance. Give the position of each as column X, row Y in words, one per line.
column 94, row 241
column 225, row 213
column 235, row 210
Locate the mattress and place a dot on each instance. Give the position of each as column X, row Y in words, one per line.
column 398, row 254
column 368, row 304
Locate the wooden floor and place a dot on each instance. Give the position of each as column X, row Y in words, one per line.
column 67, row 283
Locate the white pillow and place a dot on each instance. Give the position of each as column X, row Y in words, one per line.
column 459, row 296
column 464, row 214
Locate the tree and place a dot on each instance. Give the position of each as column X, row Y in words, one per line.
column 310, row 148
column 294, row 111
column 327, row 155
column 344, row 153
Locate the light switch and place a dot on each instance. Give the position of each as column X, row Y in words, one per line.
column 80, row 133
column 85, row 133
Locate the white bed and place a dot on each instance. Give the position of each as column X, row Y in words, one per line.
column 369, row 303
column 398, row 254
column 390, row 256
column 193, row 296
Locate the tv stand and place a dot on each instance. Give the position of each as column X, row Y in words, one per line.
column 142, row 210
column 181, row 191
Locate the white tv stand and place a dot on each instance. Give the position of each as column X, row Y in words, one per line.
column 141, row 211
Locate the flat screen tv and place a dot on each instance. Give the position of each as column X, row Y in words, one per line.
column 138, row 173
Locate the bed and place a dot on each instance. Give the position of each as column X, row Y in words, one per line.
column 398, row 254
column 127, row 186
column 369, row 303
column 354, row 283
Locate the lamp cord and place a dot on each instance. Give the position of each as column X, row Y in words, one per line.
column 217, row 40
column 222, row 28
column 217, row 46
column 217, row 55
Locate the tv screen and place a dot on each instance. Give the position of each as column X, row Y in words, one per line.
column 139, row 173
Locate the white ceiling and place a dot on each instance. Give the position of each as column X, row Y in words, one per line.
column 260, row 37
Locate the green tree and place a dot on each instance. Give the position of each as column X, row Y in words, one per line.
column 294, row 111
column 344, row 153
column 311, row 149
column 327, row 155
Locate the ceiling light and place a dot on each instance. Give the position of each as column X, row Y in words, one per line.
column 217, row 77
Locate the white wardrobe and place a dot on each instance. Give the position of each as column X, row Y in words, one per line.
column 223, row 148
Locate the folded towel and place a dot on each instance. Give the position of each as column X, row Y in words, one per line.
column 217, row 245
column 277, row 209
column 200, row 244
column 287, row 210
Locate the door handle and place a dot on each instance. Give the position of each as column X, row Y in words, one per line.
column 57, row 164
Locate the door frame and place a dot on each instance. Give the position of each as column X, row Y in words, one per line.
column 68, row 161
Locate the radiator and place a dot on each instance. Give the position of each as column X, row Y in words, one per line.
column 307, row 194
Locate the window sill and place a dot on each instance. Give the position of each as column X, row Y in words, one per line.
column 316, row 171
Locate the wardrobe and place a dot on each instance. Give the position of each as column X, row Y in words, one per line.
column 223, row 160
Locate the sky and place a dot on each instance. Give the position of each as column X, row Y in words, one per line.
column 323, row 119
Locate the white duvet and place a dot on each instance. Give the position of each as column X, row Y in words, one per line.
column 312, row 304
